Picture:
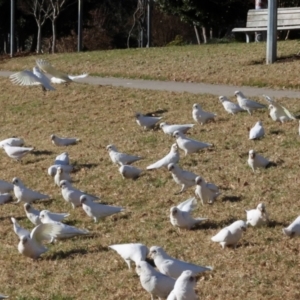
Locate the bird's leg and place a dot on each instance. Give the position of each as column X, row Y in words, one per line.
column 181, row 191
column 128, row 263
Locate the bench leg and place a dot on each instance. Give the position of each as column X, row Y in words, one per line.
column 247, row 37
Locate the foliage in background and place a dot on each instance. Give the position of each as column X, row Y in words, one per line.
column 106, row 24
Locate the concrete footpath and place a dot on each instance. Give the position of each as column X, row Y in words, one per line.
column 194, row 88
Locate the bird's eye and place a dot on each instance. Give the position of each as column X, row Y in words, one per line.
column 42, row 216
column 154, row 251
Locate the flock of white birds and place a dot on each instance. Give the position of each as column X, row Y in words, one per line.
column 174, row 279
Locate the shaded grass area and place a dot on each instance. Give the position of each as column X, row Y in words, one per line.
column 232, row 63
column 265, row 264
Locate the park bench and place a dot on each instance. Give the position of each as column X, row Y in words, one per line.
column 257, row 20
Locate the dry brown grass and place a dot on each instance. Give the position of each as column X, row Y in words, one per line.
column 264, row 266
column 233, row 63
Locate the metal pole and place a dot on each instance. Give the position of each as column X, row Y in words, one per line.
column 149, row 21
column 79, row 43
column 12, row 27
column 272, row 32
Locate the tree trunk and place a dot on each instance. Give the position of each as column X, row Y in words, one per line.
column 39, row 39
column 197, row 35
column 204, row 35
column 54, row 35
column 33, row 43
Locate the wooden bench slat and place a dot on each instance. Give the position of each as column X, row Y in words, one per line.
column 253, row 29
column 281, row 23
column 288, row 18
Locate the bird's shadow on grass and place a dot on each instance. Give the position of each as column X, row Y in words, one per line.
column 78, row 167
column 74, row 252
column 28, row 162
column 274, row 223
column 120, row 217
column 276, row 131
column 209, row 224
column 232, row 198
column 206, row 225
column 42, row 152
column 246, row 244
column 272, row 164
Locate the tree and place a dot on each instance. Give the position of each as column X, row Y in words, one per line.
column 56, row 6
column 209, row 13
column 40, row 10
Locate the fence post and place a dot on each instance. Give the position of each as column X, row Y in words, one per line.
column 12, row 27
column 272, row 32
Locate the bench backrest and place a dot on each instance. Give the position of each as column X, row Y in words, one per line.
column 285, row 17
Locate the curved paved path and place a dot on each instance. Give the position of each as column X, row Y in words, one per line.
column 195, row 88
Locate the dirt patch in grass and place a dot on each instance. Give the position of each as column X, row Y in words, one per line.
column 265, row 264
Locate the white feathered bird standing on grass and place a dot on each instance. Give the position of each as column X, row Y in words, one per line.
column 97, row 210
column 31, row 243
column 57, row 76
column 257, row 161
column 120, row 158
column 15, row 152
column 180, row 215
column 230, row 107
column 171, row 266
column 257, row 131
column 230, row 235
column 130, row 172
column 200, row 116
column 72, row 195
column 188, row 145
column 278, row 113
column 172, row 157
column 206, row 191
column 257, row 217
column 22, row 193
column 154, row 282
column 147, row 122
column 135, row 252
column 61, row 175
column 185, row 178
column 184, row 287
column 247, row 104
column 171, row 128
column 63, row 141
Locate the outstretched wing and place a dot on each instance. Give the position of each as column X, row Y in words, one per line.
column 280, row 107
column 19, row 231
column 45, row 232
column 188, row 205
column 78, row 76
column 25, row 77
column 47, row 68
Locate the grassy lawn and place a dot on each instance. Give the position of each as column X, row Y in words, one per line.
column 265, row 264
column 233, row 63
